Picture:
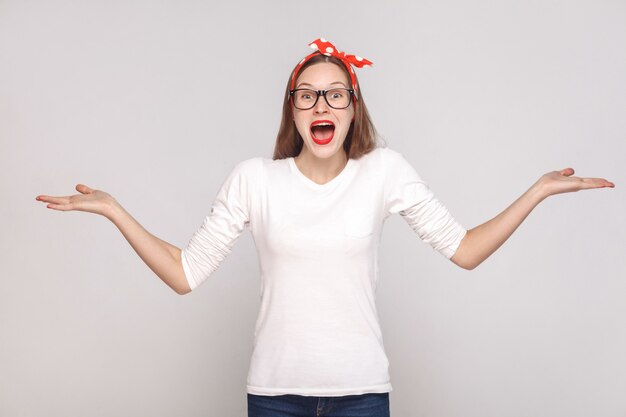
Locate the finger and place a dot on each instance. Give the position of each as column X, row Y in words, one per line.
column 606, row 182
column 598, row 182
column 55, row 200
column 567, row 171
column 83, row 189
column 60, row 207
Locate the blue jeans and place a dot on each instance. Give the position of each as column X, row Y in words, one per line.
column 364, row 405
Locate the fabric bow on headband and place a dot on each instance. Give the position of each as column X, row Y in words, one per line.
column 322, row 46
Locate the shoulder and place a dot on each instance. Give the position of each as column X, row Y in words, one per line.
column 249, row 168
column 256, row 171
column 391, row 154
column 381, row 152
column 382, row 156
column 395, row 165
column 249, row 164
column 259, row 163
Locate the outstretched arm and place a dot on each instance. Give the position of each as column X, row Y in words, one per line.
column 163, row 258
column 481, row 241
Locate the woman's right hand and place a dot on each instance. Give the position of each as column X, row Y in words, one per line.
column 89, row 200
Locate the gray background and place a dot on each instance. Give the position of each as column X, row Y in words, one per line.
column 156, row 101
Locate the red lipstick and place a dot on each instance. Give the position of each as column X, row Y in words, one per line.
column 323, row 132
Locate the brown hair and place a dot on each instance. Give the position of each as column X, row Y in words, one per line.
column 361, row 137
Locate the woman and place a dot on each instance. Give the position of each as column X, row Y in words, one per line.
column 316, row 212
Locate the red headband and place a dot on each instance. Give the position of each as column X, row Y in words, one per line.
column 322, row 46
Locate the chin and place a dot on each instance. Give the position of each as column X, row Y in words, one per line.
column 335, row 144
column 325, row 151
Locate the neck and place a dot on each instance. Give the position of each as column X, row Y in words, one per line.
column 321, row 170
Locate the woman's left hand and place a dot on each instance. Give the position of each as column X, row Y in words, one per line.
column 557, row 182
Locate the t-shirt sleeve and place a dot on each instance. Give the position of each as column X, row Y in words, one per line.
column 228, row 216
column 406, row 193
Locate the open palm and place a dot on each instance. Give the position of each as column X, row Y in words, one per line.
column 90, row 200
column 557, row 182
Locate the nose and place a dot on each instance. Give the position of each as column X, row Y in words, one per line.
column 321, row 106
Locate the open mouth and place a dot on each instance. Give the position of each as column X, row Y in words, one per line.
column 322, row 131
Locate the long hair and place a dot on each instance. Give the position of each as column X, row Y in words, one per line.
column 361, row 137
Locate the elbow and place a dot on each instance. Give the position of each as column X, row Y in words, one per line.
column 462, row 256
column 472, row 264
column 468, row 264
column 182, row 291
column 469, row 267
column 464, row 263
column 180, row 285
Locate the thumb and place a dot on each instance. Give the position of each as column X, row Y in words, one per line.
column 567, row 171
column 84, row 189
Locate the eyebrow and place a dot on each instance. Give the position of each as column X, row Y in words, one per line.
column 336, row 82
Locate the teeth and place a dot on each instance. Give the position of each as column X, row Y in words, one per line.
column 323, row 124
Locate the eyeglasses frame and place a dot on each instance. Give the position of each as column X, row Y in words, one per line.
column 323, row 93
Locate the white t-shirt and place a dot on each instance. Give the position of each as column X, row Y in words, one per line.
column 318, row 333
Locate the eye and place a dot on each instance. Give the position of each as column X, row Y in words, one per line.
column 336, row 94
column 305, row 95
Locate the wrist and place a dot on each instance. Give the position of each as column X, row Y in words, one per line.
column 538, row 192
column 114, row 210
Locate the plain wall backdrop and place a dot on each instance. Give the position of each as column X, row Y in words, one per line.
column 155, row 102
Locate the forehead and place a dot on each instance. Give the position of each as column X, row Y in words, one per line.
column 322, row 75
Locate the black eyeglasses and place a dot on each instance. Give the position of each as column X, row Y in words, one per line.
column 337, row 98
